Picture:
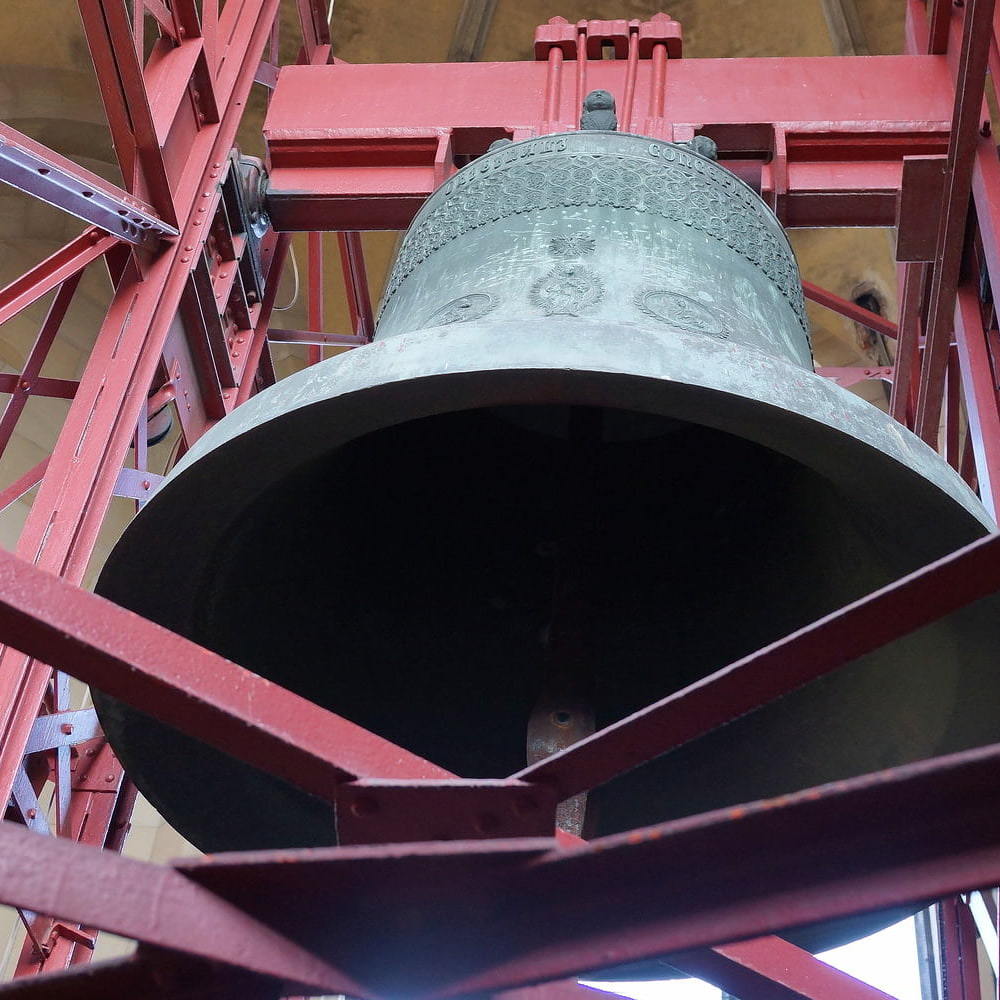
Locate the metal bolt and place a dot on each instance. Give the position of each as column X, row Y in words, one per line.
column 109, row 777
column 91, row 752
column 145, row 484
column 31, row 814
column 66, row 727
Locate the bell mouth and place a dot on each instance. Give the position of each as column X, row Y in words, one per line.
column 378, row 533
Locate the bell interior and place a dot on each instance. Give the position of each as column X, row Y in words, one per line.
column 408, row 581
column 411, row 581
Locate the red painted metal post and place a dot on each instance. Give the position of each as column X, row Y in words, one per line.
column 980, row 395
column 913, row 277
column 966, row 121
column 959, row 958
column 352, row 261
column 315, row 293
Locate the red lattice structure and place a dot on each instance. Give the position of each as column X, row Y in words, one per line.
column 900, row 141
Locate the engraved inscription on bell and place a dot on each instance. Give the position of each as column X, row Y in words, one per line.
column 462, row 309
column 679, row 310
column 567, row 290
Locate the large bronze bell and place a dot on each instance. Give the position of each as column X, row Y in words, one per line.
column 584, row 463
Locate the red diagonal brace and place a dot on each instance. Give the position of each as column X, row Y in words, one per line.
column 189, row 687
column 896, row 610
column 152, row 904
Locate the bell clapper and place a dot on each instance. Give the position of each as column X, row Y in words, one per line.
column 564, row 713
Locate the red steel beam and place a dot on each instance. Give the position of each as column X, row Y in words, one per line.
column 499, row 915
column 36, row 358
column 315, row 294
column 53, row 271
column 56, row 388
column 36, row 170
column 850, row 309
column 66, row 517
column 191, row 688
column 23, row 483
column 980, row 391
column 359, row 303
column 152, row 904
column 94, row 813
column 148, row 973
column 772, row 969
column 959, row 952
column 278, row 336
column 198, row 691
column 913, row 278
column 939, row 23
column 315, row 109
column 901, row 607
column 849, row 847
column 343, row 162
column 966, row 120
column 130, row 117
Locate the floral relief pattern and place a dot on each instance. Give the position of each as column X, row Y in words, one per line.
column 672, row 186
column 462, row 309
column 567, row 290
column 679, row 310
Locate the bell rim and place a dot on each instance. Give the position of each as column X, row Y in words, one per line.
column 630, row 366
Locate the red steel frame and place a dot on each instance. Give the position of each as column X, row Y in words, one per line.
column 503, row 904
